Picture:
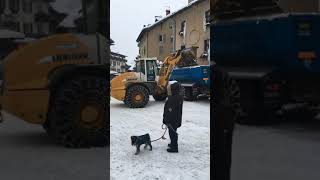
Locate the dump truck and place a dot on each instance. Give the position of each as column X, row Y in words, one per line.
column 195, row 81
column 275, row 61
column 134, row 88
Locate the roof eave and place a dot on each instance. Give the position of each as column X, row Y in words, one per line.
column 143, row 31
column 166, row 18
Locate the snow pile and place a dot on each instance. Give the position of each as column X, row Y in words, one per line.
column 193, row 159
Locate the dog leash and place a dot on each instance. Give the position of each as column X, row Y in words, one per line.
column 162, row 137
column 165, row 130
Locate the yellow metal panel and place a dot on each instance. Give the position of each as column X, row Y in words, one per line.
column 118, row 85
column 29, row 105
column 27, row 68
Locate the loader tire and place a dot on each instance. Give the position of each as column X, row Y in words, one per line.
column 77, row 114
column 160, row 97
column 136, row 97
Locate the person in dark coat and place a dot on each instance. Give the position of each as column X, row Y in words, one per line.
column 172, row 114
column 224, row 116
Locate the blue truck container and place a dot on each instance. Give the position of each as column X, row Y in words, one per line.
column 195, row 80
column 276, row 41
column 275, row 60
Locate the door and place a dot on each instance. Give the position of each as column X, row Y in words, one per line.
column 151, row 71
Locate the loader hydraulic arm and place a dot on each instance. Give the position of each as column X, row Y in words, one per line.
column 181, row 58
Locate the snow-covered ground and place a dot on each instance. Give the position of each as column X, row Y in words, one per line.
column 193, row 159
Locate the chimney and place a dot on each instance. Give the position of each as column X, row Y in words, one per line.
column 190, row 1
column 167, row 12
column 157, row 18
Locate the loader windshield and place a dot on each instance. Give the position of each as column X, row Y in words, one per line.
column 140, row 66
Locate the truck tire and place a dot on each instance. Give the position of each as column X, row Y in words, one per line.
column 226, row 92
column 189, row 94
column 77, row 115
column 255, row 111
column 136, row 97
column 160, row 97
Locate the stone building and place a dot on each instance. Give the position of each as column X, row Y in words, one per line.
column 34, row 18
column 185, row 28
column 118, row 62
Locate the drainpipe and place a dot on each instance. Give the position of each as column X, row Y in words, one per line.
column 174, row 34
column 147, row 49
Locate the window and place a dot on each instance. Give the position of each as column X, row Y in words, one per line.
column 160, row 50
column 118, row 63
column 14, row 6
column 17, row 26
column 183, row 28
column 27, row 28
column 170, row 25
column 150, row 71
column 171, row 39
column 206, row 46
column 143, row 67
column 2, row 6
column 39, row 7
column 40, row 28
column 160, row 38
column 207, row 17
column 140, row 67
column 27, row 6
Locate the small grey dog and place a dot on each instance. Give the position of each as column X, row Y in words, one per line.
column 139, row 140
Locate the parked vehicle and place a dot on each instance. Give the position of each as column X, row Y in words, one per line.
column 195, row 80
column 134, row 88
column 275, row 60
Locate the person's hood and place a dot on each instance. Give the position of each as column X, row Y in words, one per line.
column 173, row 89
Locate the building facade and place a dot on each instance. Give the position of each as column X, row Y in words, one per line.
column 185, row 28
column 31, row 17
column 300, row 6
column 118, row 62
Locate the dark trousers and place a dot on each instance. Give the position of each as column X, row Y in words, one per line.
column 173, row 137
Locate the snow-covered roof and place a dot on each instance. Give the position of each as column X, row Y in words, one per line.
column 71, row 8
column 5, row 34
column 145, row 29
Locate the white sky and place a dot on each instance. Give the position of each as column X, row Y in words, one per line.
column 127, row 20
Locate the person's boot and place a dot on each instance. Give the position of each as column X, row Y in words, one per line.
column 172, row 149
column 169, row 145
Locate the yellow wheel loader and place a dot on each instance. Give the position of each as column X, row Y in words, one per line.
column 59, row 82
column 134, row 88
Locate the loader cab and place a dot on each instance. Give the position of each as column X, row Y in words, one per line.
column 148, row 68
